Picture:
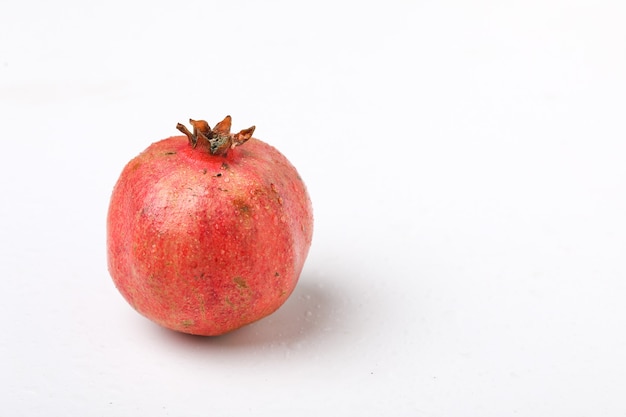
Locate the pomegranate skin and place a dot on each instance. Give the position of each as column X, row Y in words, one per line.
column 204, row 244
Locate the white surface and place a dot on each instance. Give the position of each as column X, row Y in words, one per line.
column 466, row 165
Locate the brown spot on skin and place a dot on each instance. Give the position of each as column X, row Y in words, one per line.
column 241, row 283
column 242, row 206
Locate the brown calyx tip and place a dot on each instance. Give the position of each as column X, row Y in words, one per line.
column 223, row 127
column 217, row 140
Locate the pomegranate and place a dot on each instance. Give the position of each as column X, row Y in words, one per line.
column 209, row 231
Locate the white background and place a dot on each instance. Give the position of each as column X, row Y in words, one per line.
column 466, row 165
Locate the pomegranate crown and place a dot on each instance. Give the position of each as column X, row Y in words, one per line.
column 218, row 140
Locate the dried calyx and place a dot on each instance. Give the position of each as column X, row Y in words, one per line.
column 217, row 140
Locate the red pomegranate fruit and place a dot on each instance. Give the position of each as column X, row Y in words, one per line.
column 209, row 231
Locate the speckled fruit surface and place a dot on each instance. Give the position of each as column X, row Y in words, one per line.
column 208, row 232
